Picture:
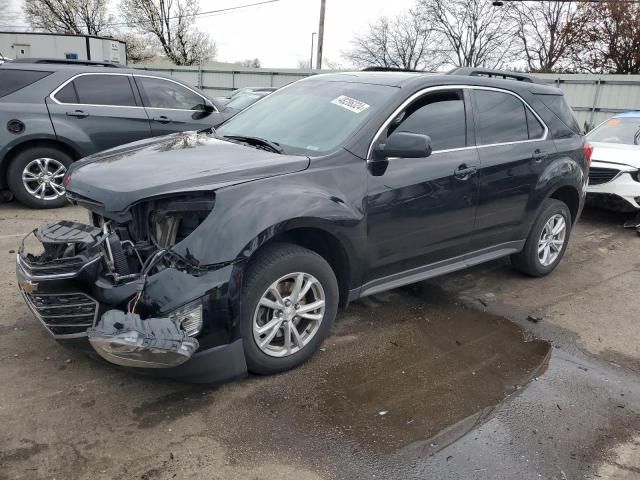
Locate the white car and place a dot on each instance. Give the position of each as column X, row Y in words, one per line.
column 614, row 176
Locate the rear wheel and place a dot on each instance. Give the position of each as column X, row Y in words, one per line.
column 290, row 299
column 35, row 177
column 547, row 240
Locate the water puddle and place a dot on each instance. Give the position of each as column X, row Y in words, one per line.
column 401, row 368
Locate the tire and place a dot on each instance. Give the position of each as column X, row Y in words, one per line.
column 530, row 260
column 53, row 161
column 283, row 263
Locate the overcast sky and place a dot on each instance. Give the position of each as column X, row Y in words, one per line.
column 279, row 34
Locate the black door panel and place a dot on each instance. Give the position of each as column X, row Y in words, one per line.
column 512, row 157
column 421, row 210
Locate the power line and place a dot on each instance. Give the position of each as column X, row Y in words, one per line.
column 201, row 14
column 220, row 11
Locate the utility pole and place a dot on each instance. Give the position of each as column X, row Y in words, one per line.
column 323, row 4
column 311, row 56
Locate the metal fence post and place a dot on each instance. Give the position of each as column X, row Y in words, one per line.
column 595, row 102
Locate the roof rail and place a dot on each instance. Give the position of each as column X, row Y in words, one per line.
column 486, row 72
column 62, row 61
column 390, row 69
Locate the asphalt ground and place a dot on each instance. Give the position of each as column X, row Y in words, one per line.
column 479, row 374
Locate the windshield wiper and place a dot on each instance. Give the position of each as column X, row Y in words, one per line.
column 636, row 137
column 274, row 147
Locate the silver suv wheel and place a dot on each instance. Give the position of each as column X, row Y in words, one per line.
column 42, row 178
column 289, row 314
column 552, row 240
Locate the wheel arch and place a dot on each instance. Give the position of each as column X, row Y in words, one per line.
column 35, row 143
column 568, row 194
column 319, row 238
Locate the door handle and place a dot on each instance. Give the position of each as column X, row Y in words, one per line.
column 162, row 119
column 78, row 114
column 463, row 172
column 539, row 155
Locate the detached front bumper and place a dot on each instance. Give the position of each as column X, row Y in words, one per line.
column 71, row 295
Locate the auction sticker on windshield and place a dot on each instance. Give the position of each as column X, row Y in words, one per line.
column 351, row 104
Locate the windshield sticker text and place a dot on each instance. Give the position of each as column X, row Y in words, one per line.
column 351, row 104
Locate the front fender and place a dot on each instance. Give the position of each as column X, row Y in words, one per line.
column 247, row 215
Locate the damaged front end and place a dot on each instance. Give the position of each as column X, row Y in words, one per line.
column 118, row 282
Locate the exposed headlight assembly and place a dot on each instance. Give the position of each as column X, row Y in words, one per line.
column 188, row 318
column 125, row 339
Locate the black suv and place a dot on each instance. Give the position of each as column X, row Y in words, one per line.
column 52, row 114
column 216, row 252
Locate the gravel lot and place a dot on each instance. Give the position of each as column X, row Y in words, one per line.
column 450, row 378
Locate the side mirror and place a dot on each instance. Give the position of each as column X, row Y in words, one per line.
column 208, row 107
column 403, row 145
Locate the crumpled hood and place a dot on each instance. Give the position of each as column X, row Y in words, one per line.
column 174, row 163
column 616, row 153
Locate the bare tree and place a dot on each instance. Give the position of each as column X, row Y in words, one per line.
column 69, row 16
column 172, row 24
column 473, row 32
column 610, row 34
column 249, row 63
column 399, row 42
column 139, row 48
column 547, row 32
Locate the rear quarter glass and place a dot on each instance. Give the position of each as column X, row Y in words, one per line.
column 561, row 109
column 13, row 80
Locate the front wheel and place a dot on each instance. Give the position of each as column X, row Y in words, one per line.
column 290, row 299
column 547, row 241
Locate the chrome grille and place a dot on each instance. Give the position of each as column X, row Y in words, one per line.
column 599, row 175
column 63, row 314
column 60, row 268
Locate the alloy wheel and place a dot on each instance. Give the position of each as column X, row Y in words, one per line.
column 288, row 314
column 552, row 240
column 42, row 178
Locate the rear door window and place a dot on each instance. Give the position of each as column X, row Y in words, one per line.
column 501, row 118
column 13, row 80
column 439, row 115
column 108, row 90
column 159, row 93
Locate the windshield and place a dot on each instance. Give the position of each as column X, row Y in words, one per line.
column 311, row 117
column 625, row 130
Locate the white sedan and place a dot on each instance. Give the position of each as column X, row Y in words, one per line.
column 614, row 176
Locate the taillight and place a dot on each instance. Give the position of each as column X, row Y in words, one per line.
column 588, row 151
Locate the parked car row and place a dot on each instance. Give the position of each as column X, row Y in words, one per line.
column 212, row 253
column 56, row 113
